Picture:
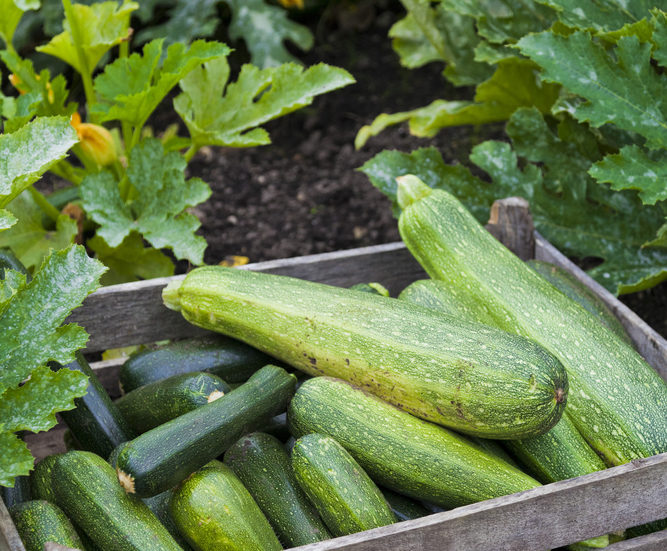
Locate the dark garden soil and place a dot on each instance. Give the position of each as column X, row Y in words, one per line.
column 303, row 195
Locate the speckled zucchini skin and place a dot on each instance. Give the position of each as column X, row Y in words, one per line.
column 229, row 359
column 95, row 423
column 401, row 452
column 87, row 490
column 372, row 288
column 403, row 507
column 263, row 466
column 156, row 403
column 164, row 456
column 347, row 499
column 569, row 285
column 19, row 493
column 214, row 511
column 39, row 521
column 466, row 376
column 41, row 479
column 159, row 504
column 617, row 401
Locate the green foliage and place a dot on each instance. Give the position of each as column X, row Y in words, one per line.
column 12, row 11
column 228, row 114
column 156, row 210
column 188, row 19
column 31, row 335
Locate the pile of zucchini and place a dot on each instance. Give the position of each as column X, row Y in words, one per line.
column 483, row 381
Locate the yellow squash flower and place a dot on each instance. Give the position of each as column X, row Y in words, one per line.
column 95, row 141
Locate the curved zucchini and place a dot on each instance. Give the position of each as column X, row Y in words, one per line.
column 403, row 507
column 95, row 422
column 164, row 456
column 213, row 511
column 569, row 285
column 617, row 400
column 466, row 376
column 401, row 452
column 87, row 490
column 156, row 403
column 39, row 522
column 347, row 499
column 19, row 493
column 231, row 360
column 263, row 466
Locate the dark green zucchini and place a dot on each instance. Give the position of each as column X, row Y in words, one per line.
column 86, row 489
column 569, row 285
column 403, row 507
column 345, row 496
column 70, row 441
column 19, row 493
column 164, row 456
column 214, row 511
column 229, row 359
column 373, row 288
column 401, row 452
column 95, row 422
column 156, row 403
column 41, row 479
column 159, row 504
column 277, row 426
column 9, row 261
column 263, row 466
column 39, row 522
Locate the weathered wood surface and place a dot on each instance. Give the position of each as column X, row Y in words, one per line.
column 651, row 345
column 133, row 313
column 542, row 518
column 9, row 537
column 512, row 224
column 650, row 542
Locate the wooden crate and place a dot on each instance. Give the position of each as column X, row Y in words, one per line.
column 542, row 518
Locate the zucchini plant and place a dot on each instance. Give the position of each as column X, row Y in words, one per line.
column 580, row 88
column 128, row 197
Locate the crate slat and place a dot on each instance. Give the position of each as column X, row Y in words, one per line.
column 650, row 542
column 9, row 537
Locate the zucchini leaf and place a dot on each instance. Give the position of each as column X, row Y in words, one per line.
column 156, row 210
column 29, row 152
column 100, row 26
column 265, row 28
column 600, row 15
column 12, row 11
column 188, row 19
column 31, row 335
column 217, row 112
column 131, row 88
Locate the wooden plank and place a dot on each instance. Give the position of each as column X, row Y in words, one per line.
column 542, row 518
column 650, row 542
column 133, row 313
column 650, row 344
column 9, row 537
column 512, row 224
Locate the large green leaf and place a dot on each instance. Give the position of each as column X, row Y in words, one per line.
column 660, row 38
column 157, row 210
column 27, row 153
column 619, row 86
column 188, row 19
column 31, row 314
column 131, row 88
column 220, row 113
column 100, row 27
column 130, row 260
column 30, row 241
column 12, row 11
column 600, row 15
column 15, row 460
column 265, row 28
column 514, row 84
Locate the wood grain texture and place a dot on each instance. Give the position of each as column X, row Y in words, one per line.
column 542, row 518
column 650, row 542
column 512, row 224
column 651, row 345
column 9, row 537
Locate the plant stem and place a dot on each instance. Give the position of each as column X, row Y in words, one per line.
column 43, row 203
column 191, row 152
column 67, row 172
column 86, row 72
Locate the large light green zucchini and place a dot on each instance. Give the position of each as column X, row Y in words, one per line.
column 399, row 451
column 617, row 400
column 473, row 378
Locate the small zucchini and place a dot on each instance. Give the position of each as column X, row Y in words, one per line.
column 403, row 507
column 156, row 403
column 39, row 522
column 214, row 511
column 229, row 359
column 263, row 466
column 164, row 456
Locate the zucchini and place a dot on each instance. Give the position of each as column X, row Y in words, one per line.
column 159, row 504
column 569, row 285
column 403, row 507
column 466, row 376
column 95, row 422
column 87, row 490
column 164, row 456
column 213, row 511
column 617, row 401
column 39, row 522
column 156, row 403
column 347, row 499
column 231, row 360
column 41, row 479
column 373, row 288
column 401, row 452
column 263, row 466
column 277, row 426
column 19, row 493
column 560, row 453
